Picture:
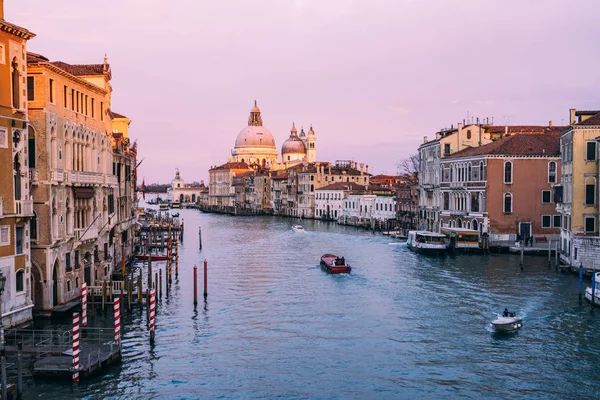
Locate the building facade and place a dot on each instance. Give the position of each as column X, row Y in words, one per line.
column 577, row 197
column 16, row 204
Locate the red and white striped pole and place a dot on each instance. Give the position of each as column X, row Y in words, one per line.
column 152, row 313
column 117, row 307
column 83, row 304
column 75, row 347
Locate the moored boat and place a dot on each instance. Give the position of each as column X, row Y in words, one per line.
column 507, row 322
column 334, row 264
column 595, row 288
column 298, row 228
column 426, row 242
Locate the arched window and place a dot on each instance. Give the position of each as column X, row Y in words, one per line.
column 459, row 223
column 33, row 227
column 474, row 225
column 15, row 84
column 20, row 280
column 193, row 198
column 552, row 172
column 468, row 134
column 508, row 203
column 469, row 172
column 508, row 172
column 481, row 171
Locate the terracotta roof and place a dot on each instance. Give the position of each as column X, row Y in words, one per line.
column 547, row 144
column 595, row 120
column 232, row 165
column 81, row 69
column 34, row 57
column 352, row 186
column 279, row 177
column 114, row 115
column 518, row 129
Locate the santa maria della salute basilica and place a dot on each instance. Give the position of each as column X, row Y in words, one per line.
column 255, row 145
column 257, row 179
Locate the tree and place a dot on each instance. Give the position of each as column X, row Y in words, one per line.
column 409, row 167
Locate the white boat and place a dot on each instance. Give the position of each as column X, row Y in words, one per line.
column 507, row 324
column 588, row 291
column 426, row 242
column 297, row 228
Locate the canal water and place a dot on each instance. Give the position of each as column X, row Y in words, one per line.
column 400, row 326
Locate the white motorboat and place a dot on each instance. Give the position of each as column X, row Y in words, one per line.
column 596, row 289
column 506, row 324
column 426, row 242
column 298, row 228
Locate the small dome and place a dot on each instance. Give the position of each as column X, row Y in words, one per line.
column 255, row 136
column 294, row 130
column 293, row 146
column 302, row 134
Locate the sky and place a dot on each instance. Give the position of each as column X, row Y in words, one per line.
column 373, row 77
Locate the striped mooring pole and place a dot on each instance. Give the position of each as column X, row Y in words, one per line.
column 152, row 313
column 75, row 347
column 117, row 304
column 83, row 304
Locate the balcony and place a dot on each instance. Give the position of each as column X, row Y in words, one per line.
column 83, row 177
column 83, row 234
column 57, row 175
column 111, row 180
column 24, row 208
column 33, row 176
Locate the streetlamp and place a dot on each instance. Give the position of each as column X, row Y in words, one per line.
column 3, row 350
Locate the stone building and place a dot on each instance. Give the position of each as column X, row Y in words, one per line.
column 221, row 191
column 577, row 197
column 16, row 206
column 84, row 193
column 185, row 193
column 503, row 188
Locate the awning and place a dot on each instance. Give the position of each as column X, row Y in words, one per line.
column 84, row 193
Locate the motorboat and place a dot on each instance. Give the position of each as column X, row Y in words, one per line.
column 297, row 228
column 507, row 323
column 334, row 264
column 426, row 242
column 595, row 288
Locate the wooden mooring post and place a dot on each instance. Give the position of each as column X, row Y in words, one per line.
column 200, row 238
column 195, row 285
column 160, row 283
column 139, row 288
column 205, row 278
column 103, row 295
column 580, row 281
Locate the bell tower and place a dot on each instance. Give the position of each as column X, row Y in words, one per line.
column 311, row 146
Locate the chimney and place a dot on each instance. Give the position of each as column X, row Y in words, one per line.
column 572, row 116
column 458, row 135
column 1, row 9
column 424, row 139
column 550, row 124
column 505, row 130
column 361, row 168
column 367, row 171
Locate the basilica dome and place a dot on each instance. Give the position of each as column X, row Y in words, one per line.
column 255, row 136
column 255, row 143
column 293, row 145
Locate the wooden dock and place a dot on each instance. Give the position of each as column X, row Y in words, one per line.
column 93, row 357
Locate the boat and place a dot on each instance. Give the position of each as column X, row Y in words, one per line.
column 595, row 288
column 163, row 207
column 506, row 324
column 297, row 228
column 334, row 265
column 461, row 239
column 426, row 242
column 154, row 257
column 390, row 233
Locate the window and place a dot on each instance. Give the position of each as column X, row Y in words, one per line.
column 557, row 221
column 551, row 172
column 590, row 192
column 101, row 111
column 33, row 227
column 77, row 101
column 19, row 240
column 558, row 194
column 85, row 104
column 76, row 261
column 93, row 101
column 16, row 100
column 20, row 285
column 65, row 92
column 475, row 202
column 508, row 172
column 590, row 154
column 30, row 88
column 3, row 138
column 68, row 286
column 68, row 262
column 590, row 224
column 106, row 255
column 546, row 196
column 51, row 87
column 507, row 203
column 4, row 235
column 469, row 134
column 545, row 221
column 72, row 99
column 446, row 149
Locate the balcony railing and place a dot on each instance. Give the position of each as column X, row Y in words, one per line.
column 84, row 177
column 57, row 175
column 111, row 180
column 24, row 207
column 83, row 234
column 33, row 176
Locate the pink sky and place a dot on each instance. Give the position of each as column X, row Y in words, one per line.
column 372, row 77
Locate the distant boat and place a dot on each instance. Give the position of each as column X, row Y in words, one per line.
column 163, row 207
column 334, row 265
column 298, row 228
column 426, row 242
column 154, row 257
